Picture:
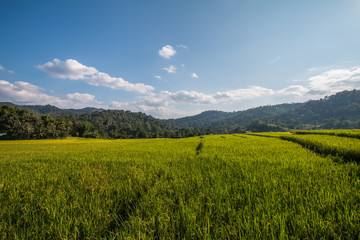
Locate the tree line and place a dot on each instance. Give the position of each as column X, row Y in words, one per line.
column 339, row 111
column 18, row 123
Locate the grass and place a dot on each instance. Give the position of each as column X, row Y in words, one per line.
column 214, row 187
column 347, row 148
column 350, row 133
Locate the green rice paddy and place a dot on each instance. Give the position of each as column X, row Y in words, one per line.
column 210, row 187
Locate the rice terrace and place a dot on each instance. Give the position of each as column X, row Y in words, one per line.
column 240, row 186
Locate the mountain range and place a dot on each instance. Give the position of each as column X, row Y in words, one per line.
column 341, row 110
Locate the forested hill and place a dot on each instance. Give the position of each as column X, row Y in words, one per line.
column 229, row 121
column 204, row 119
column 123, row 124
column 52, row 110
column 341, row 110
column 16, row 123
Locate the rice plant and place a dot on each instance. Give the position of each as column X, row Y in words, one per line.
column 233, row 187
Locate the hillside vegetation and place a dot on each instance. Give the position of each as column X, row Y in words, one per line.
column 231, row 122
column 18, row 123
column 339, row 111
column 209, row 187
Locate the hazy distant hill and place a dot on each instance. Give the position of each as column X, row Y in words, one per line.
column 231, row 120
column 204, row 119
column 52, row 110
column 341, row 110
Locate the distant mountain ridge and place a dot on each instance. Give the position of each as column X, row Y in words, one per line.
column 341, row 110
column 52, row 110
column 217, row 119
column 204, row 119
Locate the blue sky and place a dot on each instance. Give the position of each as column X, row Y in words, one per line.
column 177, row 58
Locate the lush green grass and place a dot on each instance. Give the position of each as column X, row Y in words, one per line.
column 351, row 133
column 270, row 134
column 348, row 149
column 214, row 187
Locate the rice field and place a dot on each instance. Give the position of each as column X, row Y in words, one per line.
column 351, row 133
column 344, row 148
column 209, row 187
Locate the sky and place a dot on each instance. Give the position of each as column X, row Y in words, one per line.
column 171, row 58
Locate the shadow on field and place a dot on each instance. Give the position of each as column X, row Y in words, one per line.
column 199, row 147
column 336, row 156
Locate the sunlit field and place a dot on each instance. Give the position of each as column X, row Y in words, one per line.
column 210, row 187
column 351, row 133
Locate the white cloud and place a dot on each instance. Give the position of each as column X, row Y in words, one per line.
column 181, row 46
column 27, row 93
column 167, row 51
column 69, row 68
column 243, row 94
column 81, row 97
column 335, row 80
column 191, row 97
column 162, row 104
column 194, row 75
column 24, row 92
column 326, row 83
column 164, row 112
column 74, row 70
column 3, row 69
column 296, row 90
column 104, row 79
column 157, row 77
column 165, row 104
column 170, row 69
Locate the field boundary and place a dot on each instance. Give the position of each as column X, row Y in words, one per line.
column 330, row 133
column 322, row 150
column 325, row 151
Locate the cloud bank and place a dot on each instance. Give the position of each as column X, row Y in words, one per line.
column 27, row 93
column 167, row 104
column 72, row 69
column 163, row 103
